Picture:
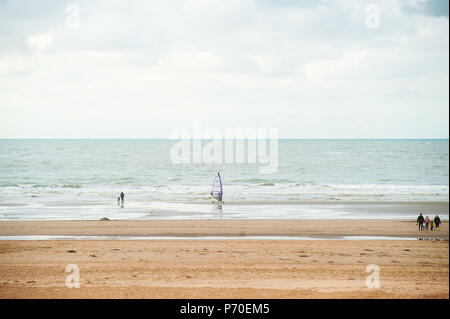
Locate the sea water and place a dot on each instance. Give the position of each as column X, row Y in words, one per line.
column 81, row 179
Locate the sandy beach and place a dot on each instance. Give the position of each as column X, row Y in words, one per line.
column 227, row 268
column 228, row 150
column 318, row 228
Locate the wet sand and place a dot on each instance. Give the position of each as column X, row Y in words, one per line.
column 233, row 268
column 318, row 228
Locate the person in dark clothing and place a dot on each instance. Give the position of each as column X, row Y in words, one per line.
column 122, row 196
column 420, row 221
column 437, row 222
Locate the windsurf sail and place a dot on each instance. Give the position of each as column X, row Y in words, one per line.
column 216, row 189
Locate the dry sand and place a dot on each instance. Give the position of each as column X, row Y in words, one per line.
column 234, row 268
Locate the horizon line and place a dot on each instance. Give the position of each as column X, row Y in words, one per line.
column 168, row 138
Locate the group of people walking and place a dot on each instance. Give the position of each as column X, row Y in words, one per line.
column 426, row 222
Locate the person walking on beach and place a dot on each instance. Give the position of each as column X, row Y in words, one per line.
column 437, row 222
column 427, row 221
column 431, row 225
column 122, row 196
column 420, row 221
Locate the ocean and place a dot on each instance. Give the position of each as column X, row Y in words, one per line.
column 81, row 179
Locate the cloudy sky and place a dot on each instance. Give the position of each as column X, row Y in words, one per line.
column 140, row 69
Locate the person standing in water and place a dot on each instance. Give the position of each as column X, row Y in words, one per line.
column 122, row 196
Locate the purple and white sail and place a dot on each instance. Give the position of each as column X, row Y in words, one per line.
column 216, row 189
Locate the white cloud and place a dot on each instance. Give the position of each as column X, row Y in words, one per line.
column 41, row 41
column 329, row 72
column 189, row 61
column 140, row 69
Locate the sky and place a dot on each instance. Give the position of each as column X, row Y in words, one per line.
column 142, row 69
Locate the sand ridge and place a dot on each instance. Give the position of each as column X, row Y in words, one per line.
column 323, row 228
